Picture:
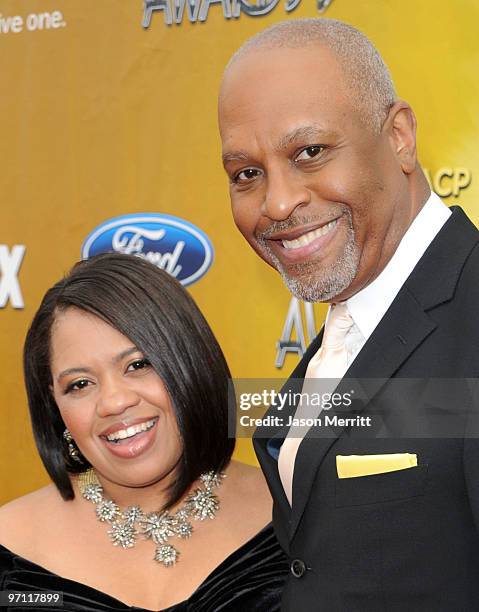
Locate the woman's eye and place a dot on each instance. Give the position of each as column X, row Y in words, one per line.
column 310, row 153
column 138, row 364
column 246, row 175
column 78, row 385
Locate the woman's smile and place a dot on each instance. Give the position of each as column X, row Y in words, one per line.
column 133, row 440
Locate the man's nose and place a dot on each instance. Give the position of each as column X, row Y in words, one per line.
column 285, row 192
column 115, row 397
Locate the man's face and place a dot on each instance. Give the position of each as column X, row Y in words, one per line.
column 316, row 193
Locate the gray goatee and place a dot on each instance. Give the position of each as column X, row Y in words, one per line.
column 310, row 282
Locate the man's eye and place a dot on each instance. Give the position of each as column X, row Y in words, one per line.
column 78, row 385
column 310, row 153
column 138, row 364
column 246, row 175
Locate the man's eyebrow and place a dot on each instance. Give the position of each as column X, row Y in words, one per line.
column 304, row 131
column 234, row 156
column 312, row 132
column 85, row 370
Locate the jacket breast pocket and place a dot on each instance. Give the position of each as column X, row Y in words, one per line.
column 390, row 486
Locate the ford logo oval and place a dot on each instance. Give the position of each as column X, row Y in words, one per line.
column 172, row 244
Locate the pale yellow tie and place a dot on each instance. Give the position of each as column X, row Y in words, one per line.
column 330, row 362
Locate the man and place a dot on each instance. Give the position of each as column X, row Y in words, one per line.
column 326, row 187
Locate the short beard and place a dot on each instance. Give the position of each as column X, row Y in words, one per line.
column 311, row 284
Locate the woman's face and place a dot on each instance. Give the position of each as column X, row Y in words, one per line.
column 114, row 404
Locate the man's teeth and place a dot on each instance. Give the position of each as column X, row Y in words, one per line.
column 122, row 434
column 306, row 239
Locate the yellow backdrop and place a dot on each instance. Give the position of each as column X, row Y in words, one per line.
column 101, row 117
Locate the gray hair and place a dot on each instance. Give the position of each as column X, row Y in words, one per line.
column 365, row 71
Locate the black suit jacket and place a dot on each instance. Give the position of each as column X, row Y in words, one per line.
column 408, row 540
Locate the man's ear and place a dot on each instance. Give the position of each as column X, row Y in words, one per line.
column 401, row 126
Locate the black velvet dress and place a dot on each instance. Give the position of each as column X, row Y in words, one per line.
column 249, row 580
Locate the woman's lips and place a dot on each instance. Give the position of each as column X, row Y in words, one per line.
column 133, row 446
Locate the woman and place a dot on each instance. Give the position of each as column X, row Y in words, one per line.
column 128, row 394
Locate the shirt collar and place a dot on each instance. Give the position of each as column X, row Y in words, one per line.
column 368, row 306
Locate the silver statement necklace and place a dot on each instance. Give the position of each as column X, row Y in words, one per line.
column 126, row 526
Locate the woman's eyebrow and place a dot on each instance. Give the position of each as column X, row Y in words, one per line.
column 86, row 370
column 125, row 353
column 76, row 370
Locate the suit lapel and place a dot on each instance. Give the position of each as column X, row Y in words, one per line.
column 404, row 327
column 264, row 448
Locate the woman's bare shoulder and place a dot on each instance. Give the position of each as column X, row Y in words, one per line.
column 30, row 501
column 246, row 475
column 247, row 486
column 21, row 518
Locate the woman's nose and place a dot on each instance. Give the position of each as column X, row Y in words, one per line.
column 115, row 397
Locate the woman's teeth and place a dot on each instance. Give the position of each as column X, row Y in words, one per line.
column 123, row 434
column 307, row 238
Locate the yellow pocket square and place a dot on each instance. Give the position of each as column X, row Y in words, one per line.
column 352, row 466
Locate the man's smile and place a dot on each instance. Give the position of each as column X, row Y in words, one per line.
column 308, row 237
column 300, row 243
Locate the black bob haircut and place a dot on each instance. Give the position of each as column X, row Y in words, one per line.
column 157, row 314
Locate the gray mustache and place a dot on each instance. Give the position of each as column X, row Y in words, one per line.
column 290, row 223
